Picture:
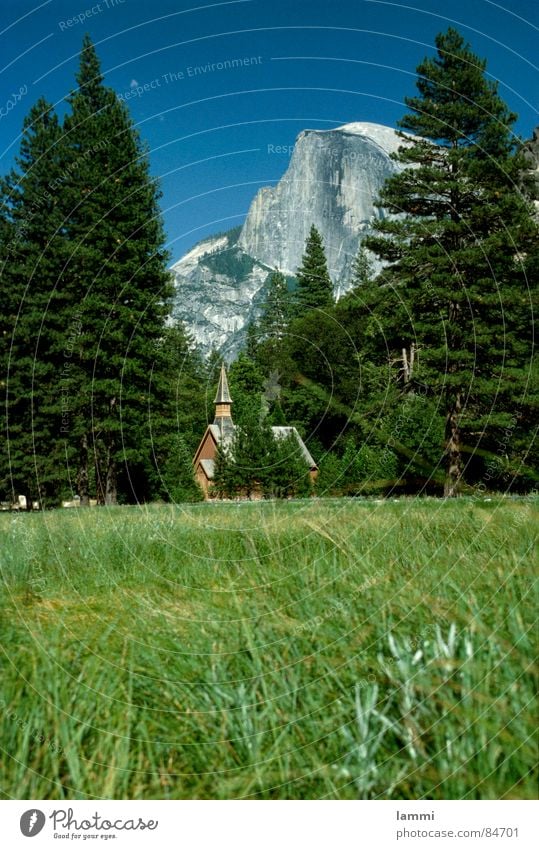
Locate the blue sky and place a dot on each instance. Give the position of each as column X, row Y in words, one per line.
column 216, row 134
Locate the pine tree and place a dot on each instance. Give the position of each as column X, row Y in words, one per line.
column 212, row 368
column 251, row 448
column 246, row 385
column 252, row 340
column 362, row 269
column 178, row 474
column 315, row 289
column 119, row 264
column 276, row 415
column 288, row 474
column 176, row 417
column 35, row 373
column 224, row 484
column 456, row 248
column 277, row 311
column 277, row 308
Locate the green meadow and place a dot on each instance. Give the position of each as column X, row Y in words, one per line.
column 335, row 649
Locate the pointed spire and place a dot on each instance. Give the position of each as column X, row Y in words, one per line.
column 223, row 402
column 223, row 393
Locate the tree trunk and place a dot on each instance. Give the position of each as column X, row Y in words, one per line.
column 99, row 473
column 111, row 486
column 453, row 448
column 82, row 477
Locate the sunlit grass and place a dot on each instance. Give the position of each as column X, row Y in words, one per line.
column 338, row 649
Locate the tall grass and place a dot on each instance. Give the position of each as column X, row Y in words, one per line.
column 326, row 649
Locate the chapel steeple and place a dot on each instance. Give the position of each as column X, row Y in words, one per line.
column 223, row 401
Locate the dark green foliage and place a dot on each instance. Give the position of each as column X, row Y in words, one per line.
column 456, row 253
column 257, row 463
column 246, row 386
column 119, row 262
column 100, row 383
column 179, row 391
column 315, row 289
column 224, row 480
column 243, row 467
column 37, row 373
column 252, row 340
column 368, row 469
column 362, row 269
column 178, row 475
column 276, row 310
column 362, row 469
column 288, row 473
column 269, row 338
column 231, row 262
column 276, row 415
column 320, row 364
column 329, row 480
column 415, row 431
column 176, row 417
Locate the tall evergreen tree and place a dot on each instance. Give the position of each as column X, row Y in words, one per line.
column 252, row 340
column 176, row 418
column 247, row 464
column 277, row 308
column 212, row 368
column 315, row 289
column 277, row 311
column 119, row 264
column 178, row 474
column 246, row 385
column 288, row 473
column 34, row 379
column 362, row 269
column 456, row 249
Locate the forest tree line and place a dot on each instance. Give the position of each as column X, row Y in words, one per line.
column 422, row 378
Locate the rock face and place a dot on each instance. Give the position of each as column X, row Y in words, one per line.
column 218, row 288
column 332, row 180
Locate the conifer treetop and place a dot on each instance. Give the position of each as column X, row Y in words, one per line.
column 315, row 289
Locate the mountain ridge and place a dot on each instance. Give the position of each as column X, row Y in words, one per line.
column 335, row 174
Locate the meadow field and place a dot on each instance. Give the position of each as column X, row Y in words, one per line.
column 335, row 649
